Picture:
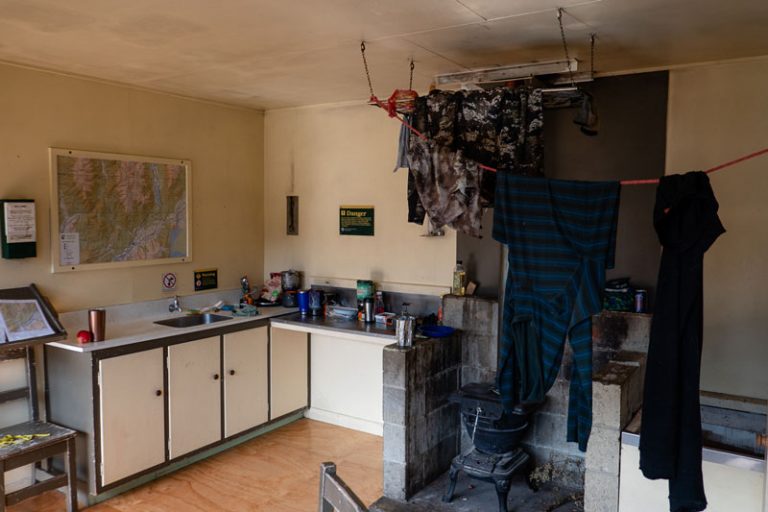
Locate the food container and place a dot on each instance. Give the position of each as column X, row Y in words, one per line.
column 385, row 318
column 97, row 322
column 302, row 299
column 289, row 299
column 316, row 302
column 342, row 312
column 368, row 311
column 289, row 280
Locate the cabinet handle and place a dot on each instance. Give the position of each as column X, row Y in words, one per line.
column 159, row 392
column 215, row 376
column 231, row 372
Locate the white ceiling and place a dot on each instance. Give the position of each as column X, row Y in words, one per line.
column 271, row 54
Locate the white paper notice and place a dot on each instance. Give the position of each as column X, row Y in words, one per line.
column 19, row 222
column 23, row 319
column 69, row 249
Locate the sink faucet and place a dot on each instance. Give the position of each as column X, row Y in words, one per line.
column 175, row 305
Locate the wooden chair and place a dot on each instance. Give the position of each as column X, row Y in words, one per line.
column 334, row 493
column 56, row 440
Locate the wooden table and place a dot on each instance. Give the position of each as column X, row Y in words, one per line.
column 59, row 441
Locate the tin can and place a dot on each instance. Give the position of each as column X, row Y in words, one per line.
column 641, row 298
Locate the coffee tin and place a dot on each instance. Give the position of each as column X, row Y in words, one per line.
column 641, row 301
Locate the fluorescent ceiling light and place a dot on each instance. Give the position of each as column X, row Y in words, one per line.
column 505, row 73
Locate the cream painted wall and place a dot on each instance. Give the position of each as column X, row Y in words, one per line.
column 333, row 155
column 225, row 145
column 718, row 113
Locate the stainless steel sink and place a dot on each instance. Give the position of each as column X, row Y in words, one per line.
column 192, row 320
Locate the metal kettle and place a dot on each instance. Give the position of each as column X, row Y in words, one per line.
column 405, row 325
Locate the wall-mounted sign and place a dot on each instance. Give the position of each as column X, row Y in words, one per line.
column 17, row 228
column 206, row 279
column 169, row 282
column 356, row 220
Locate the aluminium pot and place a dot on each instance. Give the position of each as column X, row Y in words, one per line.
column 290, row 280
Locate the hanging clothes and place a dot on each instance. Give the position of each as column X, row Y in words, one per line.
column 403, row 142
column 463, row 129
column 687, row 224
column 416, row 212
column 561, row 237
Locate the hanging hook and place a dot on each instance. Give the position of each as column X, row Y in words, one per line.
column 560, row 11
column 410, row 82
column 367, row 73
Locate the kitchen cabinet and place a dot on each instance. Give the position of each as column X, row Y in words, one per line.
column 347, row 381
column 131, row 402
column 147, row 399
column 194, row 395
column 289, row 359
column 246, row 379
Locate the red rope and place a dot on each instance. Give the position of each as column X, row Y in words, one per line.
column 738, row 160
column 374, row 100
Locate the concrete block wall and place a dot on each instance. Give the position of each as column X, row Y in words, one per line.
column 546, row 440
column 421, row 428
column 477, row 321
column 617, row 394
column 620, row 342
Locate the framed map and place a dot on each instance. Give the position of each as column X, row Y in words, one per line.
column 110, row 210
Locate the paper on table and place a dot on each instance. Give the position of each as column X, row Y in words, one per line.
column 22, row 320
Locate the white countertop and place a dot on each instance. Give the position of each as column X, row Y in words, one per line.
column 348, row 329
column 134, row 323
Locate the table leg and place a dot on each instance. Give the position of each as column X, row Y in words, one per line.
column 71, row 476
column 2, row 486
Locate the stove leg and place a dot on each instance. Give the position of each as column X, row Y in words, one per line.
column 502, row 491
column 453, row 474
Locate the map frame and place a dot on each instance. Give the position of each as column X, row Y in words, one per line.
column 56, row 246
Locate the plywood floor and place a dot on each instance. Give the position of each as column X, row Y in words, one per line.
column 276, row 472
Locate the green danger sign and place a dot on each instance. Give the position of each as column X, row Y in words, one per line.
column 356, row 220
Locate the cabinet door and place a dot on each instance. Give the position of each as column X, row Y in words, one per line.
column 347, row 385
column 288, row 369
column 132, row 414
column 194, row 395
column 246, row 380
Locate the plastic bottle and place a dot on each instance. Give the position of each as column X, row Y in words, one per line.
column 379, row 306
column 459, row 279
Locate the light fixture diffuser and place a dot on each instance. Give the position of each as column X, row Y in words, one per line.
column 505, row 73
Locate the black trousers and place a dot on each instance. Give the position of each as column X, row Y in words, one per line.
column 686, row 222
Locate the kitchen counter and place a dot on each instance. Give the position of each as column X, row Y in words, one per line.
column 335, row 325
column 171, row 394
column 346, row 358
column 129, row 327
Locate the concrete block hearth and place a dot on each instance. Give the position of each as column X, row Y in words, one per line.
column 620, row 342
column 421, row 428
column 422, row 431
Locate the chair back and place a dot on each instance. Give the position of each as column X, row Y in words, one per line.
column 334, row 493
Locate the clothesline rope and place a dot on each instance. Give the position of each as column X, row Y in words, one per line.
column 651, row 181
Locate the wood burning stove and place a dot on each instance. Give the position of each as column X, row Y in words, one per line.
column 496, row 455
